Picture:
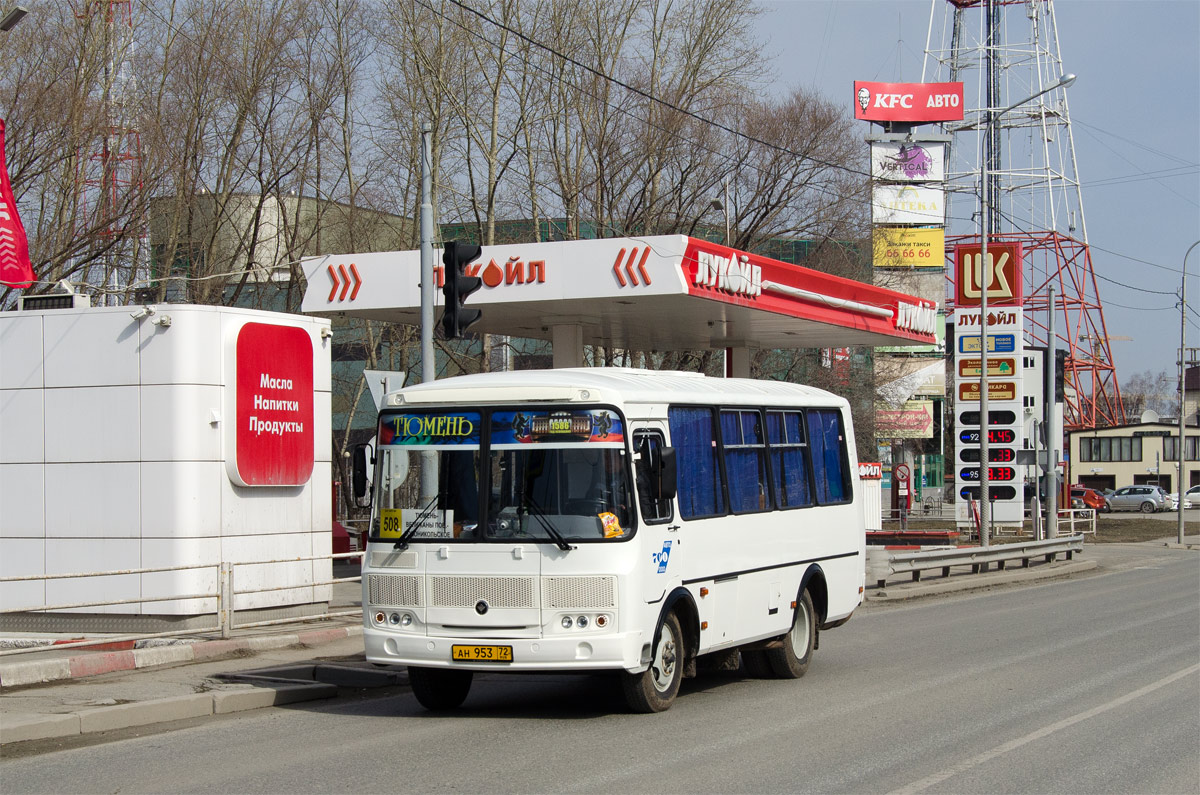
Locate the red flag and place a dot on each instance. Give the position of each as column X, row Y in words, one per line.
column 15, row 268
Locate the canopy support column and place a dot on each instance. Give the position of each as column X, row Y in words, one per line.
column 567, row 343
column 737, row 362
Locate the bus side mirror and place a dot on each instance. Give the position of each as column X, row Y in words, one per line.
column 360, row 463
column 667, row 478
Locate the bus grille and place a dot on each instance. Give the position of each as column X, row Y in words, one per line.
column 395, row 590
column 497, row 591
column 579, row 593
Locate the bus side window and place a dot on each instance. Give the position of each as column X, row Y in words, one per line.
column 701, row 475
column 827, row 442
column 789, row 459
column 649, row 446
column 745, row 460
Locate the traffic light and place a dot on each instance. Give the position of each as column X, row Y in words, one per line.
column 1060, row 375
column 457, row 286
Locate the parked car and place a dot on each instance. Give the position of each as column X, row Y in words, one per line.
column 1173, row 501
column 1088, row 498
column 1147, row 499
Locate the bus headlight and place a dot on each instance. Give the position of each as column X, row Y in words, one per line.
column 567, row 621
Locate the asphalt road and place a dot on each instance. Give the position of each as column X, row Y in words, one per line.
column 1085, row 685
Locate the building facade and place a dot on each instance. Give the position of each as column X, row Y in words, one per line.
column 1135, row 454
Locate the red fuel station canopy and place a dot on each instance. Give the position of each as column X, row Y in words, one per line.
column 667, row 292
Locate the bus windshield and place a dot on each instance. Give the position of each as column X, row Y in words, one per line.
column 535, row 474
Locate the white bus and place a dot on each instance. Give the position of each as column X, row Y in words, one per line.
column 608, row 519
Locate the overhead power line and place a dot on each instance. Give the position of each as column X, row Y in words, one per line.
column 645, row 94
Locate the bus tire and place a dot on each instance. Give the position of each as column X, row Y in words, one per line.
column 790, row 661
column 440, row 688
column 654, row 689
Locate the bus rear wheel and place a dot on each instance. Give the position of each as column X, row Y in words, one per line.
column 440, row 688
column 790, row 661
column 654, row 689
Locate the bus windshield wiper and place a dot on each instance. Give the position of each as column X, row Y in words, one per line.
column 406, row 536
column 527, row 501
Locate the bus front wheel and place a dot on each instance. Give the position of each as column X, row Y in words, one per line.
column 790, row 661
column 440, row 688
column 654, row 689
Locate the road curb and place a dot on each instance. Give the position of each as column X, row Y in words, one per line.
column 969, row 582
column 22, row 728
column 32, row 672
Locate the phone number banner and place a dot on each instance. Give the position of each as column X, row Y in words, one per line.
column 905, row 247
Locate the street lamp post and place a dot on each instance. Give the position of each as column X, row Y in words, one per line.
column 723, row 205
column 1182, row 373
column 985, row 278
column 718, row 204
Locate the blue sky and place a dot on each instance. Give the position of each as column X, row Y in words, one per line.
column 1135, row 112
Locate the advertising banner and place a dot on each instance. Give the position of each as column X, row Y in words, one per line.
column 907, row 204
column 908, row 162
column 15, row 268
column 274, row 403
column 908, row 247
column 997, row 391
column 914, row 420
column 908, row 102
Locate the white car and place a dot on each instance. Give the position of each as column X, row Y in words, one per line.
column 1189, row 498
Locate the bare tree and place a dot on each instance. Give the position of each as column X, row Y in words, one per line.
column 1151, row 391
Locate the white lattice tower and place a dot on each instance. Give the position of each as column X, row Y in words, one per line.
column 1004, row 51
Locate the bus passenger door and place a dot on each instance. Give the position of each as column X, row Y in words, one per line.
column 657, row 525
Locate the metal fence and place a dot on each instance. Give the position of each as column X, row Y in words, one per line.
column 882, row 563
column 941, row 516
column 225, row 619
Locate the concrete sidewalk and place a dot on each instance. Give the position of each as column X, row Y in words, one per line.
column 114, row 690
column 60, row 693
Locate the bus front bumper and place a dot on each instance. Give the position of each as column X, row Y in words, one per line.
column 581, row 652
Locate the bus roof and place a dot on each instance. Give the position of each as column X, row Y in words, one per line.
column 615, row 385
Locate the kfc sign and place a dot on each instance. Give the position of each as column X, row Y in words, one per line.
column 1000, row 272
column 908, row 102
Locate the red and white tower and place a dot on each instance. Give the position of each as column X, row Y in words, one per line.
column 1003, row 51
column 108, row 172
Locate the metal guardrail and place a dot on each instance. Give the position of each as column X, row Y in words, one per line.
column 882, row 563
column 224, row 593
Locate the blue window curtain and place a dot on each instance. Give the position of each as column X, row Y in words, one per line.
column 745, row 464
column 694, row 439
column 789, row 467
column 826, row 441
